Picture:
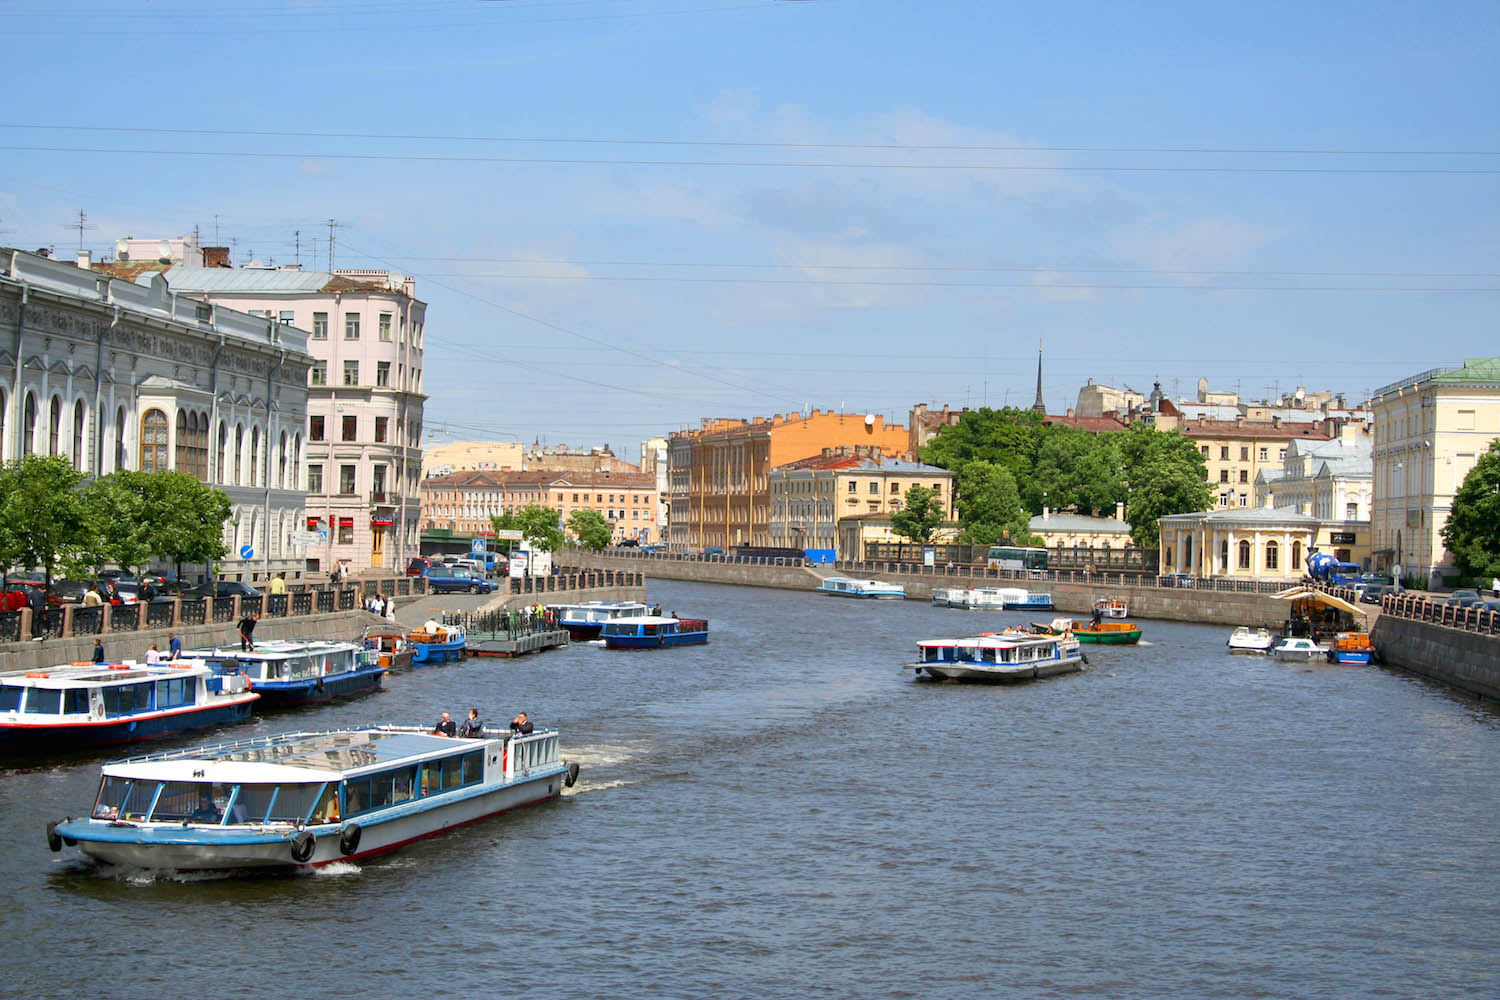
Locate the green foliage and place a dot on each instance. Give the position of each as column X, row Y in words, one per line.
column 1008, row 437
column 920, row 514
column 140, row 516
column 590, row 528
column 47, row 523
column 1472, row 533
column 191, row 518
column 1076, row 470
column 1164, row 474
column 989, row 505
column 538, row 525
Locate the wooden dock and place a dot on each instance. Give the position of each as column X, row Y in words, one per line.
column 500, row 644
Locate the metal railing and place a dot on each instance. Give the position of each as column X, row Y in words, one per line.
column 1441, row 611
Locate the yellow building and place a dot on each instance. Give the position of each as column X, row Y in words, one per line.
column 1254, row 544
column 1430, row 430
column 811, row 497
column 464, row 502
column 1080, row 531
column 1235, row 451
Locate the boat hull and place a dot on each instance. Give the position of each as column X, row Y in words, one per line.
column 655, row 641
column 112, row 732
column 426, row 653
column 999, row 673
column 1355, row 656
column 1110, row 637
column 1299, row 655
column 208, row 849
column 285, row 694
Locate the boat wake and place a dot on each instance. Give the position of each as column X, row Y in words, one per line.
column 335, row 869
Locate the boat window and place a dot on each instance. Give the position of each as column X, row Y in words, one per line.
column 452, row 772
column 114, row 795
column 293, row 802
column 649, row 629
column 43, row 701
column 175, row 691
column 10, row 697
column 377, row 791
column 127, row 698
column 76, row 701
column 179, row 800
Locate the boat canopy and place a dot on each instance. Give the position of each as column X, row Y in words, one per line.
column 1309, row 594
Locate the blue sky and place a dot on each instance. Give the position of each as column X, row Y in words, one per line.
column 629, row 214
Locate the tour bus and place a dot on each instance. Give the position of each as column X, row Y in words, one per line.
column 1016, row 557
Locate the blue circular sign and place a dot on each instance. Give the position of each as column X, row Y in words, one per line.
column 247, row 552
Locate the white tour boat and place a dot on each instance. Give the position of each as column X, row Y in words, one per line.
column 586, row 621
column 1296, row 648
column 287, row 672
column 308, row 798
column 1112, row 607
column 843, row 586
column 1251, row 640
column 1004, row 657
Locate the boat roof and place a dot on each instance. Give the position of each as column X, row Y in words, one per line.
column 123, row 672
column 996, row 641
column 857, row 580
column 653, row 620
column 299, row 756
column 276, row 649
column 1321, row 597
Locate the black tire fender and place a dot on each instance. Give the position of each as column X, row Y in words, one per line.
column 303, row 845
column 349, row 839
column 54, row 839
column 1084, row 657
column 572, row 776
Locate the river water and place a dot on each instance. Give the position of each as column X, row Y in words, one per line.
column 785, row 813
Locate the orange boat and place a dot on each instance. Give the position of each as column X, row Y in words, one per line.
column 1108, row 633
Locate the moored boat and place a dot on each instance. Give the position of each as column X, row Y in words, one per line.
column 1112, row 607
column 843, row 586
column 1245, row 639
column 86, row 704
column 586, row 621
column 1029, row 601
column 288, row 672
column 1004, row 658
column 979, row 598
column 308, row 798
column 1108, row 633
column 1351, row 647
column 654, row 632
column 437, row 644
column 392, row 650
column 1298, row 648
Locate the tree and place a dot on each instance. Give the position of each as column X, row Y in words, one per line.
column 538, row 525
column 1007, row 437
column 190, row 519
column 919, row 516
column 1472, row 533
column 1164, row 474
column 119, row 505
column 590, row 528
column 989, row 505
column 48, row 525
column 1075, row 470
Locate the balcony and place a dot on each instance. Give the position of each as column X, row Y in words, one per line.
column 384, row 498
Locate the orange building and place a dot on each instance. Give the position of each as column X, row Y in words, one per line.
column 718, row 475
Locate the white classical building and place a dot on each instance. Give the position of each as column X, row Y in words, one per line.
column 364, row 411
column 118, row 375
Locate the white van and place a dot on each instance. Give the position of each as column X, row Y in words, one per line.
column 474, row 564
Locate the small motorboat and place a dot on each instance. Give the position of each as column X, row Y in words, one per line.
column 1294, row 648
column 1351, row 647
column 437, row 645
column 1108, row 633
column 1001, row 658
column 843, row 586
column 1112, row 607
column 1251, row 640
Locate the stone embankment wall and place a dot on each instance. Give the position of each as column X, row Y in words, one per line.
column 40, row 654
column 1465, row 660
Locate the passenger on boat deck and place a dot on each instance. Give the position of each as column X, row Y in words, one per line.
column 472, row 728
column 206, row 812
column 237, row 812
column 445, row 726
column 153, row 655
column 1098, row 617
column 431, row 626
column 521, row 725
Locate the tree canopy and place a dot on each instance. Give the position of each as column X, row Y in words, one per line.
column 47, row 524
column 990, row 505
column 920, row 514
column 590, row 528
column 1472, row 533
column 538, row 525
column 1164, row 474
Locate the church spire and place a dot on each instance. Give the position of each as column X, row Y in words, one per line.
column 1039, row 406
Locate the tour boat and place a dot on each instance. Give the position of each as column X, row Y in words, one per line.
column 1005, row 658
column 392, row 650
column 1251, row 640
column 308, row 798
column 84, row 704
column 843, row 586
column 1112, row 607
column 446, row 642
column 943, row 597
column 977, row 598
column 1296, row 648
column 1026, row 601
column 1351, row 647
column 654, row 632
column 585, row 621
column 1113, row 633
column 299, row 671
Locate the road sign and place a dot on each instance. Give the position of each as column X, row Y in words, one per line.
column 512, row 534
column 477, row 545
column 247, row 552
column 308, row 537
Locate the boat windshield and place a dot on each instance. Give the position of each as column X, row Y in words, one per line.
column 140, row 801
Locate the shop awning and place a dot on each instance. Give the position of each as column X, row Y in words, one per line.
column 1322, row 597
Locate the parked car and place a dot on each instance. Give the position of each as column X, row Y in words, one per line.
column 222, row 588
column 1488, row 605
column 1464, row 598
column 66, row 592
column 1373, row 592
column 449, row 579
column 476, row 565
column 713, row 550
column 1179, row 580
column 418, row 566
column 19, row 594
column 628, row 543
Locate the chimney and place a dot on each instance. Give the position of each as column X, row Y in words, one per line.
column 1046, row 513
column 1275, row 420
column 215, row 256
column 85, row 259
column 1120, row 510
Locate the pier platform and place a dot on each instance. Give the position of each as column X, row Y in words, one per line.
column 502, row 644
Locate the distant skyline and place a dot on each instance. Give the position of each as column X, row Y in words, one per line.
column 626, row 216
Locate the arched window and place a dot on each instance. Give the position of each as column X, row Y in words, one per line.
column 219, row 469
column 28, row 426
column 1273, row 555
column 296, row 483
column 200, row 446
column 154, row 442
column 281, row 471
column 78, row 462
column 254, row 476
column 183, row 461
column 120, row 438
column 1296, row 554
column 54, row 424
column 1244, row 554
column 239, row 450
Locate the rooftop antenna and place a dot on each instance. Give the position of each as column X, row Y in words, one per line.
column 332, row 228
column 81, row 225
column 216, row 229
column 297, row 244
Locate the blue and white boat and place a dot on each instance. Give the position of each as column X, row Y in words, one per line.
column 437, row 645
column 654, row 632
column 308, row 798
column 586, row 621
column 843, row 586
column 86, row 704
column 299, row 671
column 1003, row 658
column 1023, row 600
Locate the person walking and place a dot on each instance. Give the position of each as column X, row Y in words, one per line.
column 247, row 632
column 278, row 585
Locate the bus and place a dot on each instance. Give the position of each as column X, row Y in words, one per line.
column 1015, row 557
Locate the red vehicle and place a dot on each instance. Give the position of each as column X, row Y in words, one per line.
column 418, row 566
column 19, row 594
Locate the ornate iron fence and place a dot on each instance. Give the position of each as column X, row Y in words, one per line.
column 276, row 605
column 88, row 621
column 10, row 626
column 124, row 618
column 158, row 614
column 193, row 611
column 223, row 610
column 302, row 604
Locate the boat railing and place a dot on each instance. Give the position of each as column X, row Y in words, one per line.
column 281, row 739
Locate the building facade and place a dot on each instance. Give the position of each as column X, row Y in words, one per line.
column 462, row 503
column 725, row 498
column 367, row 335
column 811, row 496
column 122, row 375
column 1430, row 430
column 474, row 456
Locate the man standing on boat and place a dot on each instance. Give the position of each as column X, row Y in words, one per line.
column 247, row 632
column 521, row 725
